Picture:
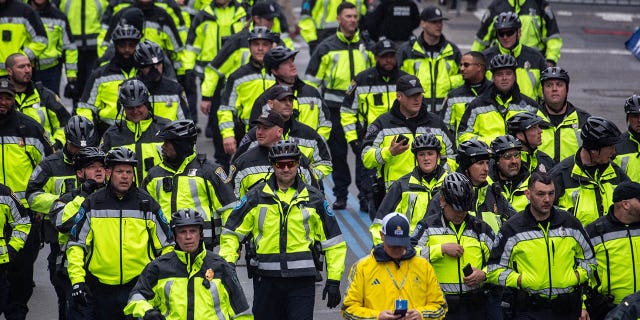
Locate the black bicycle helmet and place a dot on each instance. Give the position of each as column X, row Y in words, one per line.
column 284, row 149
column 120, row 155
column 523, row 121
column 148, row 53
column 186, row 217
column 125, row 32
column 632, row 105
column 554, row 73
column 178, row 129
column 262, row 33
column 426, row 142
column 457, row 191
column 87, row 156
column 472, row 151
column 277, row 56
column 503, row 61
column 504, row 143
column 599, row 132
column 133, row 93
column 507, row 20
column 80, row 132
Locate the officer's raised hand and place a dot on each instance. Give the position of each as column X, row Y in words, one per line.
column 398, row 145
column 332, row 289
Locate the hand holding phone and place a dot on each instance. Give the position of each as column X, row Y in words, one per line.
column 401, row 307
column 467, row 270
column 402, row 139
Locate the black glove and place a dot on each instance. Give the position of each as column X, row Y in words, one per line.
column 356, row 145
column 332, row 288
column 153, row 314
column 89, row 186
column 71, row 90
column 12, row 253
column 79, row 294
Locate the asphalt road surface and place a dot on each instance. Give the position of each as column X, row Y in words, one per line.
column 602, row 72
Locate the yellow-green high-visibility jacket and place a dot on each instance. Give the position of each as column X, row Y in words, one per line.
column 615, row 244
column 456, row 102
column 59, row 38
column 628, row 155
column 486, row 116
column 374, row 286
column 22, row 32
column 197, row 184
column 562, row 140
column 335, row 63
column 44, row 106
column 410, row 196
column 439, row 72
column 243, row 87
column 23, row 144
column 585, row 194
column 115, row 237
column 209, row 29
column 385, row 129
column 54, row 176
column 530, row 64
column 140, row 138
column 168, row 99
column 370, row 94
column 284, row 225
column 84, row 20
column 514, row 188
column 13, row 218
column 539, row 26
column 174, row 285
column 546, row 254
column 318, row 15
column 309, row 108
column 99, row 99
column 474, row 235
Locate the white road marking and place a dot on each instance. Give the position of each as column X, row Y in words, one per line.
column 616, row 52
column 615, row 16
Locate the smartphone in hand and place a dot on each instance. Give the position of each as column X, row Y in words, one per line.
column 402, row 139
column 467, row 270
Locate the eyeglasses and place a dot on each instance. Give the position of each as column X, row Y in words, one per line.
column 509, row 156
column 286, row 164
column 507, row 33
column 467, row 64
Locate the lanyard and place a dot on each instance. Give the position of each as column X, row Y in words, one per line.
column 399, row 287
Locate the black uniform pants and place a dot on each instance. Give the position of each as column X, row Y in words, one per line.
column 283, row 298
column 107, row 301
column 338, row 147
column 21, row 275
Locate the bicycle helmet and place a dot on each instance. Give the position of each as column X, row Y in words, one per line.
column 284, row 149
column 125, row 32
column 632, row 105
column 186, row 217
column 457, row 191
column 148, row 53
column 503, row 61
column 120, row 155
column 472, row 151
column 503, row 143
column 262, row 33
column 178, row 129
column 507, row 20
column 554, row 73
column 133, row 93
column 277, row 56
column 599, row 132
column 523, row 121
column 87, row 156
column 426, row 142
column 80, row 132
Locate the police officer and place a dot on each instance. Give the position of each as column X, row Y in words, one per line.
column 185, row 179
column 167, row 97
column 285, row 271
column 432, row 58
column 413, row 191
column 562, row 138
column 318, row 22
column 613, row 237
column 125, row 248
column 530, row 60
column 486, row 116
column 23, row 32
column 393, row 20
column 527, row 127
column 585, row 182
column 540, row 27
column 543, row 255
column 24, row 144
column 458, row 246
column 36, row 101
column 215, row 290
column 54, row 176
column 629, row 146
column 508, row 170
column 99, row 100
column 346, row 49
column 137, row 131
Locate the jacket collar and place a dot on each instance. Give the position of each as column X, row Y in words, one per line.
column 381, row 256
column 343, row 38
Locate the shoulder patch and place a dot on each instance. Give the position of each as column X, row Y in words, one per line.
column 222, row 175
column 371, row 130
column 79, row 215
column 162, row 217
column 241, row 203
column 352, row 87
column 328, row 209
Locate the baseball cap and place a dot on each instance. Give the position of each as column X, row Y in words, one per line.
column 269, row 118
column 279, row 92
column 6, row 86
column 395, row 228
column 409, row 85
column 265, row 9
column 626, row 190
column 384, row 46
column 431, row 14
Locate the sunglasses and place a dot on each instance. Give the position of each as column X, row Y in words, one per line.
column 467, row 64
column 509, row 156
column 507, row 33
column 286, row 164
